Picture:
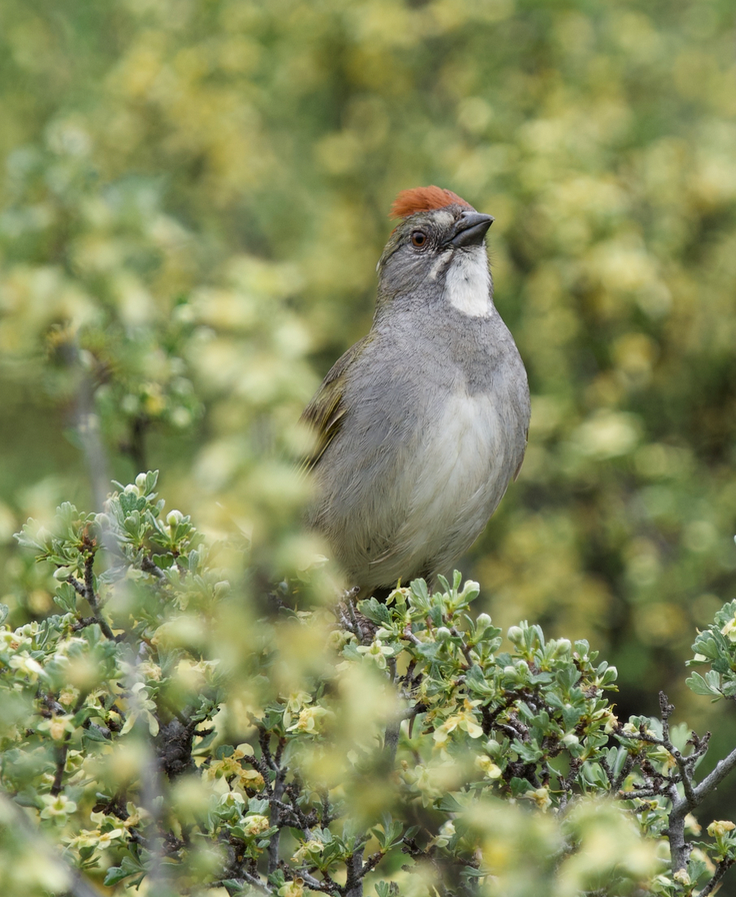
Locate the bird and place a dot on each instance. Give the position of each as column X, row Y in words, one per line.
column 422, row 424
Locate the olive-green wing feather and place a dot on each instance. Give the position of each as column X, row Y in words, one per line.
column 518, row 467
column 326, row 411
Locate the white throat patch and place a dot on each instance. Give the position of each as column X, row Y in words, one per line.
column 468, row 283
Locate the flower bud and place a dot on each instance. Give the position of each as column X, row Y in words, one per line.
column 173, row 518
column 482, row 622
column 516, row 633
column 720, row 827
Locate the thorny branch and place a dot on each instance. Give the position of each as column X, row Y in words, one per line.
column 87, row 591
column 667, row 786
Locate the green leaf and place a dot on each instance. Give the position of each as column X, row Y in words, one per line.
column 449, row 804
column 66, row 598
column 376, row 611
column 128, row 866
column 93, row 734
column 708, row 685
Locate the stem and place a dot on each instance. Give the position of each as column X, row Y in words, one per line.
column 149, row 566
column 679, row 849
column 354, row 883
column 721, row 870
column 712, row 781
column 63, row 751
column 256, row 883
column 694, row 794
column 61, row 755
column 275, row 815
column 87, row 591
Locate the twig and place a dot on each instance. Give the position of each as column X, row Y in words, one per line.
column 255, row 882
column 63, row 751
column 663, row 785
column 464, row 647
column 721, row 870
column 354, row 882
column 328, row 886
column 91, row 596
column 350, row 602
column 87, row 591
column 148, row 565
column 712, row 781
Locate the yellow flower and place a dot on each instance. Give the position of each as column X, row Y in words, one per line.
column 720, row 827
column 464, row 720
column 309, row 851
column 309, row 720
column 488, row 767
column 297, row 700
column 57, row 807
column 68, row 695
column 445, row 834
column 376, row 652
column 256, row 825
column 26, row 665
column 85, row 838
column 251, row 780
column 13, row 640
column 57, row 726
column 294, row 705
column 106, row 838
column 540, row 796
column 611, row 722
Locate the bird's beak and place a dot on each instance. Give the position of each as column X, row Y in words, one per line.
column 471, row 229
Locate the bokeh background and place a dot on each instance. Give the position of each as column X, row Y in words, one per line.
column 194, row 198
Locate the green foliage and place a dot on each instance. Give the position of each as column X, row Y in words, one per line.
column 716, row 647
column 193, row 202
column 376, row 746
column 199, row 203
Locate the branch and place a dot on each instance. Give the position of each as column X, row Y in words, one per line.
column 712, row 781
column 684, row 764
column 149, row 566
column 354, row 882
column 87, row 591
column 255, row 882
column 721, row 870
column 326, row 887
column 63, row 751
column 464, row 647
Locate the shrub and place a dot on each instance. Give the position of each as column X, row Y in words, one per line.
column 172, row 728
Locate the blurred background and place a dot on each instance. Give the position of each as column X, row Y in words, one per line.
column 194, row 197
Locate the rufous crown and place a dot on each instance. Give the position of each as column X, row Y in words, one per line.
column 424, row 199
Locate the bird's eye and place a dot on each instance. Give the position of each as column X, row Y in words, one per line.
column 418, row 238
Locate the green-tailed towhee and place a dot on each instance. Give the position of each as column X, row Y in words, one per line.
column 422, row 424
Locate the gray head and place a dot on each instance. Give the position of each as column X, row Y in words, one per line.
column 439, row 234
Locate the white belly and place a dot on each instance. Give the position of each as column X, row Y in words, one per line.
column 459, row 478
